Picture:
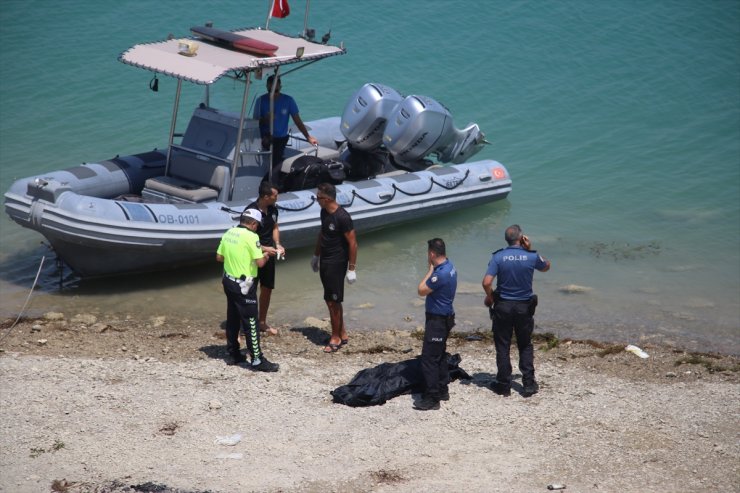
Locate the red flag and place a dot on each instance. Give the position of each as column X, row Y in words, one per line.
column 280, row 8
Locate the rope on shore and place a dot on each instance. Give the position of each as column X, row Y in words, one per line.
column 28, row 298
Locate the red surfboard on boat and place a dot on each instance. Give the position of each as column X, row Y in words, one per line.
column 236, row 41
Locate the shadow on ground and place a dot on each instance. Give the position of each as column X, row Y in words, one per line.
column 315, row 335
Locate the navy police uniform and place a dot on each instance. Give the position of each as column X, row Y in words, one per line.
column 513, row 309
column 440, row 318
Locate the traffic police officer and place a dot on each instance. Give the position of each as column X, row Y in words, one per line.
column 439, row 286
column 513, row 309
column 241, row 255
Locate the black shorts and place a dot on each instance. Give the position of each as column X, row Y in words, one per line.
column 266, row 274
column 332, row 278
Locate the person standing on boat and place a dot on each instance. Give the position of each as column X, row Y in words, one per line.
column 439, row 286
column 241, row 255
column 512, row 306
column 335, row 258
column 269, row 235
column 285, row 107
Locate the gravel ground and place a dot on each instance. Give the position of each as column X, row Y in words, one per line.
column 120, row 404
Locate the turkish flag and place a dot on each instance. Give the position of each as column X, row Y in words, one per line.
column 280, row 8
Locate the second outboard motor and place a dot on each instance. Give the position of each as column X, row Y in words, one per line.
column 366, row 113
column 420, row 126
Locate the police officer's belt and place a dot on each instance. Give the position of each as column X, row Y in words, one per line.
column 235, row 279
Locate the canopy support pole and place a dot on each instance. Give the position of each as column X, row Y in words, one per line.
column 276, row 74
column 305, row 20
column 172, row 126
column 238, row 148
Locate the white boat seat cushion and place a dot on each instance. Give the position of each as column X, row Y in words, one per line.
column 191, row 179
column 181, row 188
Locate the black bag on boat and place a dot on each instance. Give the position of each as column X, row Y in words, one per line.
column 309, row 171
column 366, row 164
column 374, row 386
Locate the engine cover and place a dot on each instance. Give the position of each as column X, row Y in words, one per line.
column 416, row 127
column 366, row 113
column 421, row 126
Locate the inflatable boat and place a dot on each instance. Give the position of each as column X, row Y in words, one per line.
column 393, row 159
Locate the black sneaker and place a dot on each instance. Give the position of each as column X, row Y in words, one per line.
column 427, row 403
column 530, row 388
column 235, row 359
column 444, row 394
column 501, row 389
column 265, row 366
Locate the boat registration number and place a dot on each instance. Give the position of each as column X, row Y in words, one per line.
column 178, row 219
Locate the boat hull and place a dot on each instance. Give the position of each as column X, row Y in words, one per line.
column 101, row 236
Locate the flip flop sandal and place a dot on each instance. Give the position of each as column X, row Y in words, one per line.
column 332, row 348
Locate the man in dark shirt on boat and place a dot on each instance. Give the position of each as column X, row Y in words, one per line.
column 241, row 255
column 513, row 309
column 269, row 234
column 439, row 286
column 335, row 258
column 284, row 107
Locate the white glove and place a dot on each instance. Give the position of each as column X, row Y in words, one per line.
column 315, row 263
column 351, row 276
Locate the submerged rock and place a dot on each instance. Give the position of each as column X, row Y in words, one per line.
column 84, row 318
column 317, row 322
column 574, row 289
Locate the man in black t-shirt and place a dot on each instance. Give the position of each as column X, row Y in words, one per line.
column 335, row 257
column 269, row 234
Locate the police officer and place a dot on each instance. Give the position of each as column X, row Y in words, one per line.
column 513, row 307
column 241, row 255
column 439, row 286
column 269, row 234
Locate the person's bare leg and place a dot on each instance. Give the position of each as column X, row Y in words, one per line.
column 342, row 328
column 264, row 305
column 336, row 316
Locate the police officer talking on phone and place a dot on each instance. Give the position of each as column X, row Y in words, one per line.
column 512, row 307
column 439, row 286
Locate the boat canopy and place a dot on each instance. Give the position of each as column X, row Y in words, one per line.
column 212, row 61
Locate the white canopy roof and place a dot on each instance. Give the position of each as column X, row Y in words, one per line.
column 211, row 62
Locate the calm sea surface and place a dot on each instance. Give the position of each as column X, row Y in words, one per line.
column 619, row 122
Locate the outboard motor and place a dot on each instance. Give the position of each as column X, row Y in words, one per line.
column 420, row 126
column 366, row 113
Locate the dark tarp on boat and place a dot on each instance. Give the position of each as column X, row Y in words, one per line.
column 374, row 386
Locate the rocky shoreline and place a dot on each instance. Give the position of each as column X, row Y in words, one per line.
column 120, row 404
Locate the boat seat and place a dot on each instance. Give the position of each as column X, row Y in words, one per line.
column 192, row 178
column 291, row 154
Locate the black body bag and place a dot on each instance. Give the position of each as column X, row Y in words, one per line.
column 374, row 386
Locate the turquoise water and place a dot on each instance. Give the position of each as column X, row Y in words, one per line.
column 618, row 121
